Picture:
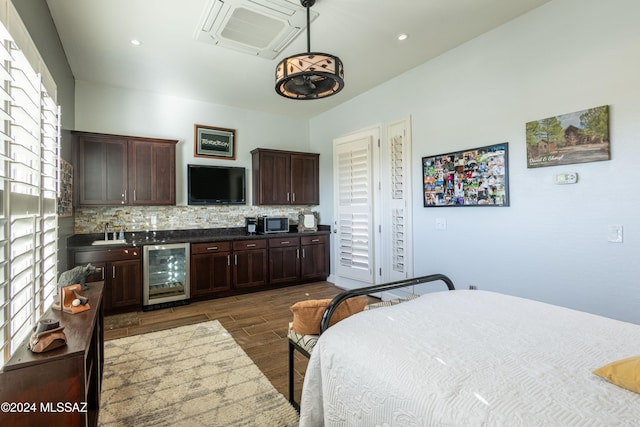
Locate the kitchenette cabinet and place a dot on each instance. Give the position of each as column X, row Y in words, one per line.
column 284, row 260
column 314, row 257
column 250, row 263
column 228, row 264
column 123, row 170
column 211, row 271
column 285, row 177
column 121, row 271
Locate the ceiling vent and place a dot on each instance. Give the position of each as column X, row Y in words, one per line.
column 262, row 28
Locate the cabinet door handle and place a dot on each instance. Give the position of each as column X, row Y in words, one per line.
column 228, row 259
column 287, row 196
column 293, row 197
column 252, row 245
column 235, row 259
column 212, row 248
column 113, row 272
column 315, row 240
column 303, row 253
column 298, row 253
column 102, row 273
column 284, row 243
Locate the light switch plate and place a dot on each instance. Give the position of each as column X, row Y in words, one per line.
column 614, row 233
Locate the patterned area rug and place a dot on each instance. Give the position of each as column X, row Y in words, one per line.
column 193, row 375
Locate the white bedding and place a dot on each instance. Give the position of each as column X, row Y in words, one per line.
column 469, row 358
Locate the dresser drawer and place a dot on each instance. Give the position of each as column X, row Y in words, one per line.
column 200, row 248
column 249, row 244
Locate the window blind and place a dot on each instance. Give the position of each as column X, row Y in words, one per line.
column 29, row 150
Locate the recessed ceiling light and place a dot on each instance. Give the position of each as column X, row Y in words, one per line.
column 136, row 42
column 403, row 36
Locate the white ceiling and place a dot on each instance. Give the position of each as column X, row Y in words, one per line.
column 96, row 37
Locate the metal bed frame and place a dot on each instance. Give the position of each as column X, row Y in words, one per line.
column 333, row 305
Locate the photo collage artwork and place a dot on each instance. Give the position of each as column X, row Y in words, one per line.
column 474, row 177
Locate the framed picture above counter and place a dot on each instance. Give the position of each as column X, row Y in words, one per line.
column 214, row 142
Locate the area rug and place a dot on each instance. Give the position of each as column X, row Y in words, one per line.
column 193, row 375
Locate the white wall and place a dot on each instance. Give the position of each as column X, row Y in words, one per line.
column 106, row 109
column 551, row 243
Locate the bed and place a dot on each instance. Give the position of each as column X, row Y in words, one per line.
column 469, row 358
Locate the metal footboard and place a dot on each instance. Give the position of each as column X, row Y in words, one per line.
column 326, row 317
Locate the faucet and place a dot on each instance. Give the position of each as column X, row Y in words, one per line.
column 106, row 231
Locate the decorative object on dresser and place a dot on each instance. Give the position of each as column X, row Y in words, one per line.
column 77, row 275
column 47, row 335
column 71, row 301
column 214, row 142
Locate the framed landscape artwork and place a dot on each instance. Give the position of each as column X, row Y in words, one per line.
column 214, row 142
column 475, row 177
column 579, row 137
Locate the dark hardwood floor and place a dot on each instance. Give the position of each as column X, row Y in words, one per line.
column 257, row 321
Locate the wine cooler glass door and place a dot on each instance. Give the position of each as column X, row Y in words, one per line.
column 166, row 273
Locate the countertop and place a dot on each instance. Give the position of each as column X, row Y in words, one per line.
column 141, row 238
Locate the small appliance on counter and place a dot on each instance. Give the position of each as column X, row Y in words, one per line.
column 273, row 224
column 251, row 223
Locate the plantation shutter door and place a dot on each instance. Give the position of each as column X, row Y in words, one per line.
column 354, row 214
column 397, row 200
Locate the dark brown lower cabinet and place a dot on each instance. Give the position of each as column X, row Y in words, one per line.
column 314, row 257
column 250, row 263
column 60, row 387
column 210, row 269
column 121, row 271
column 284, row 260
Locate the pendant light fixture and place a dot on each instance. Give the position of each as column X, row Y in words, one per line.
column 311, row 75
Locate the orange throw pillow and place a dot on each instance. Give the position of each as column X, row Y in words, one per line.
column 307, row 315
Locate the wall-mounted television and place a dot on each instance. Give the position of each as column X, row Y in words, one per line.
column 216, row 185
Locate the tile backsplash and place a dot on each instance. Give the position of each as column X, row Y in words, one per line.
column 145, row 218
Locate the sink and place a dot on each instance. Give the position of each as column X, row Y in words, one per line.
column 110, row 242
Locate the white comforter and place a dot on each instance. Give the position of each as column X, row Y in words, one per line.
column 469, row 358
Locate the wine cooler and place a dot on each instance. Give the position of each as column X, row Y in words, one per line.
column 166, row 275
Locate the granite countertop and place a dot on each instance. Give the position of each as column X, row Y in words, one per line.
column 141, row 238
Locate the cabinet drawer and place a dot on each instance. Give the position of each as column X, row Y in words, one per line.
column 280, row 242
column 314, row 240
column 209, row 247
column 83, row 257
column 249, row 244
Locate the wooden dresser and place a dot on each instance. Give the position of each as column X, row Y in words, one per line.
column 60, row 387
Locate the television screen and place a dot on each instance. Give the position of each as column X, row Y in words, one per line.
column 216, row 185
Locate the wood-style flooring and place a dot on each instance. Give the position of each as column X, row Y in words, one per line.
column 257, row 321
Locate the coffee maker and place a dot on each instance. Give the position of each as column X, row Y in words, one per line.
column 251, row 224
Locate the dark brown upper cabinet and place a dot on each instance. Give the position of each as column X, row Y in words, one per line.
column 285, row 177
column 124, row 170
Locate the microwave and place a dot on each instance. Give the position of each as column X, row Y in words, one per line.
column 273, row 224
